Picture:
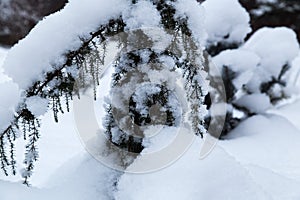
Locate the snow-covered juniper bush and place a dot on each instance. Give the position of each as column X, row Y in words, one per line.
column 253, row 79
column 85, row 64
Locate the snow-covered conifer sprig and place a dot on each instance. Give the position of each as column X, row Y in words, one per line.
column 57, row 83
column 58, row 87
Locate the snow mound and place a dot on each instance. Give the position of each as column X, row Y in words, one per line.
column 37, row 105
column 142, row 15
column 226, row 20
column 255, row 103
column 192, row 178
column 241, row 62
column 258, row 153
column 82, row 178
column 275, row 46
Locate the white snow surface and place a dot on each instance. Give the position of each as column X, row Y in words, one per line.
column 3, row 53
column 295, row 72
column 258, row 161
column 9, row 95
column 226, row 21
column 275, row 47
column 240, row 61
column 255, row 103
column 142, row 15
column 37, row 105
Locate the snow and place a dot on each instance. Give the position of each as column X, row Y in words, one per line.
column 37, row 105
column 226, row 21
column 270, row 142
column 258, row 160
column 240, row 61
column 57, row 34
column 9, row 96
column 142, row 15
column 275, row 46
column 158, row 137
column 3, row 53
column 261, row 59
column 42, row 49
column 78, row 179
column 295, row 71
column 195, row 15
column 262, row 150
column 255, row 103
column 192, row 178
column 259, row 152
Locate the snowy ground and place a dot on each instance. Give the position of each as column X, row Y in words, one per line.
column 260, row 161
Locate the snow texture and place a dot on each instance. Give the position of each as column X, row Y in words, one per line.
column 275, row 46
column 226, row 21
column 195, row 16
column 9, row 96
column 142, row 15
column 234, row 170
column 3, row 53
column 255, row 103
column 262, row 58
column 242, row 62
column 37, row 105
column 295, row 71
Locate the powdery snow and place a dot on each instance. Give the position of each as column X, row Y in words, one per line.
column 195, row 14
column 9, row 96
column 255, row 103
column 3, row 54
column 218, row 176
column 238, row 60
column 242, row 62
column 258, row 161
column 295, row 72
column 226, row 20
column 142, row 15
column 43, row 49
column 83, row 178
column 275, row 46
column 37, row 105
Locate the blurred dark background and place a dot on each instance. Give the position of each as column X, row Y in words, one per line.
column 18, row 17
column 274, row 13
